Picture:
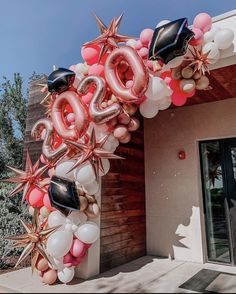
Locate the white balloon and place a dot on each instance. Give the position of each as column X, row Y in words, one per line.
column 91, row 188
column 156, row 88
column 212, row 48
column 148, row 109
column 164, row 103
column 88, row 232
column 224, row 38
column 215, row 59
column 77, row 217
column 66, row 275
column 63, row 168
column 106, row 167
column 209, row 36
column 131, row 43
column 59, row 243
column 80, row 68
column 176, row 61
column 85, row 174
column 162, row 23
column 56, row 218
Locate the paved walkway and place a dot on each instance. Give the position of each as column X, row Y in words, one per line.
column 144, row 275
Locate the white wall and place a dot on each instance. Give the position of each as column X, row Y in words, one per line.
column 175, row 225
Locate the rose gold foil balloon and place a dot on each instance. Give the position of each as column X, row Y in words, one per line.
column 49, row 277
column 92, row 211
column 98, row 114
column 133, row 125
column 126, row 139
column 46, row 124
column 81, row 116
column 42, row 265
column 140, row 80
column 130, row 108
column 120, row 132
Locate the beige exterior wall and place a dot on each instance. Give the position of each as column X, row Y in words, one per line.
column 175, row 220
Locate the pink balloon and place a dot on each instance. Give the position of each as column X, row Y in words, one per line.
column 96, row 69
column 77, row 248
column 87, row 98
column 198, row 37
column 68, row 260
column 70, row 117
column 47, row 202
column 146, row 36
column 90, row 54
column 178, row 99
column 36, row 197
column 143, row 52
column 138, row 45
column 203, row 21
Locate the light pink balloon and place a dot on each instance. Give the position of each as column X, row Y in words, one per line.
column 77, row 248
column 143, row 52
column 138, row 45
column 146, row 36
column 120, row 132
column 96, row 69
column 123, row 119
column 129, row 83
column 72, row 67
column 150, row 64
column 70, row 117
column 42, row 159
column 198, row 37
column 203, row 21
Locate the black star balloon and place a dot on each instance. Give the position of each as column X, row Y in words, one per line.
column 170, row 40
column 63, row 195
column 60, row 80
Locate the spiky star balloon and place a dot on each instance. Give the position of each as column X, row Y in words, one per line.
column 92, row 151
column 25, row 179
column 109, row 37
column 199, row 60
column 33, row 241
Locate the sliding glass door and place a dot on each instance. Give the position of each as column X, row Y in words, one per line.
column 218, row 163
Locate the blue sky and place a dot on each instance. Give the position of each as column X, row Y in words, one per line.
column 37, row 34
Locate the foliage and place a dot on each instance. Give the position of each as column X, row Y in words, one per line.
column 13, row 112
column 11, row 212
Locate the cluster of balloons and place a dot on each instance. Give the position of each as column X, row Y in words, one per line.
column 91, row 109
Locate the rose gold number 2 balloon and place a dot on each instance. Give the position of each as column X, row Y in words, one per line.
column 46, row 124
column 97, row 114
column 81, row 116
column 141, row 77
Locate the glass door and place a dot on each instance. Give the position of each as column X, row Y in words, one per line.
column 215, row 202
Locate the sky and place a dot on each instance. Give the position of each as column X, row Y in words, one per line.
column 35, row 35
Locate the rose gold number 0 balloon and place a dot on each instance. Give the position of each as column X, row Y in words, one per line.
column 141, row 77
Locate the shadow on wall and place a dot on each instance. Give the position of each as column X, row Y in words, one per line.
column 184, row 239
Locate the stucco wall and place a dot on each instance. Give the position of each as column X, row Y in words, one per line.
column 175, row 220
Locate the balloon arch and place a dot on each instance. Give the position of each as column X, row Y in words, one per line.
column 91, row 108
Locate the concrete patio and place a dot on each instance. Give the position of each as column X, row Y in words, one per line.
column 144, row 275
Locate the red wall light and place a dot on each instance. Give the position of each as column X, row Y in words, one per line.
column 182, row 155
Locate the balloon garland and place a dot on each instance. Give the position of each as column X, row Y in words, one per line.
column 90, row 110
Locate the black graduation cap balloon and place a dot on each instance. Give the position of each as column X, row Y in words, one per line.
column 63, row 195
column 60, row 80
column 170, row 40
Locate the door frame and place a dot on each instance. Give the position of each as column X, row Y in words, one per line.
column 222, row 142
